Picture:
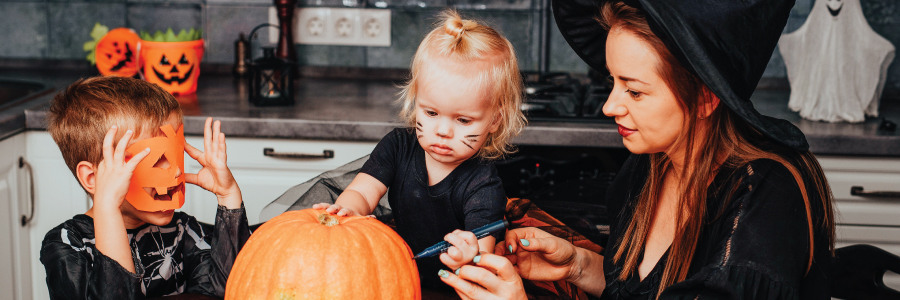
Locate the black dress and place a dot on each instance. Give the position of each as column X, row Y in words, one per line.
column 753, row 244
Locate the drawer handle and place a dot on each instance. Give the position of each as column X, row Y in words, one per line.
column 271, row 153
column 859, row 191
column 26, row 218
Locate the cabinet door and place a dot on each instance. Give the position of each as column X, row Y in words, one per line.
column 865, row 219
column 264, row 178
column 15, row 280
column 58, row 197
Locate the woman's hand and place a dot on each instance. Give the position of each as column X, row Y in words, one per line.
column 538, row 255
column 492, row 277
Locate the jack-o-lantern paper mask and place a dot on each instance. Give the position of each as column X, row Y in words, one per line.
column 117, row 53
column 158, row 181
column 174, row 66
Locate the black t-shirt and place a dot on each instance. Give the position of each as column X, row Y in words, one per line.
column 469, row 197
column 754, row 243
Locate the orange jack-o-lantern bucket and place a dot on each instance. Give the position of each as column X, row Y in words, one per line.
column 174, row 66
column 117, row 53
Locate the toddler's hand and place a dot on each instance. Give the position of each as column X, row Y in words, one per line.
column 215, row 175
column 113, row 173
column 465, row 248
column 336, row 209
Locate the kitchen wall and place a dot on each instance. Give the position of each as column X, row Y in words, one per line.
column 56, row 29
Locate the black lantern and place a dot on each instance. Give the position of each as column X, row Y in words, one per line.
column 272, row 80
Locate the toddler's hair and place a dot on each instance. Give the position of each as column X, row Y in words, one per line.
column 81, row 114
column 466, row 41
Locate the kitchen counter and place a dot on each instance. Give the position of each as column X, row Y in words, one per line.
column 365, row 110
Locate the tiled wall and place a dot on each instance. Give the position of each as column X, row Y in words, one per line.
column 56, row 29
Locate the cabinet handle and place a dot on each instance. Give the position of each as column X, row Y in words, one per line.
column 271, row 153
column 28, row 217
column 859, row 191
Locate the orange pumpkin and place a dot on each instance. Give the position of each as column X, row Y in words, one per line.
column 174, row 66
column 117, row 53
column 310, row 254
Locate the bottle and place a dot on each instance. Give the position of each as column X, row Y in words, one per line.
column 241, row 56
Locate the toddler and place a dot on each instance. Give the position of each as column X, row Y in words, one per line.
column 461, row 106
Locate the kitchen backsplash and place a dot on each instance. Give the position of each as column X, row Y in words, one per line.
column 56, row 29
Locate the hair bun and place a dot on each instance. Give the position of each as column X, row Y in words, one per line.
column 454, row 26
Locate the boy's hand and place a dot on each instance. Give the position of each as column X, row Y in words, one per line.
column 113, row 173
column 113, row 176
column 215, row 175
column 336, row 209
column 465, row 248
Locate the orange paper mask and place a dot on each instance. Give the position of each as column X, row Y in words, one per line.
column 166, row 184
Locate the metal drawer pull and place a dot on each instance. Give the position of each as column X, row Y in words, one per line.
column 271, row 153
column 858, row 191
column 26, row 218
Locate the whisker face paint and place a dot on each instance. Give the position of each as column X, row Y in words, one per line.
column 419, row 131
column 472, row 138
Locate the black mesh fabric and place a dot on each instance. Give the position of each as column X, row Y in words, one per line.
column 323, row 188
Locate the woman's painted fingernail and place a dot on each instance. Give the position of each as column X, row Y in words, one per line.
column 443, row 273
column 524, row 242
column 476, row 259
column 510, row 249
column 457, row 271
column 147, row 149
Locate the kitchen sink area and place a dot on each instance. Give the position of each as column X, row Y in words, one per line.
column 13, row 92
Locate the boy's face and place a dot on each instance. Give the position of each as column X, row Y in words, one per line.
column 153, row 206
column 454, row 115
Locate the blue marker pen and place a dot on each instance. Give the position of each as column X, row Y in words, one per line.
column 479, row 232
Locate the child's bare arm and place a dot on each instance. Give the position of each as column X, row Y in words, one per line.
column 215, row 175
column 113, row 176
column 359, row 199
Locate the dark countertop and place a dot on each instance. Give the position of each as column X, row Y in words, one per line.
column 366, row 110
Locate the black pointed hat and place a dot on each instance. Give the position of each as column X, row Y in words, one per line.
column 726, row 43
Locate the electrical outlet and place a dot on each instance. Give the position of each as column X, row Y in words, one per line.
column 338, row 26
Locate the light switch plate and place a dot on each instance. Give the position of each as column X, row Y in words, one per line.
column 338, row 26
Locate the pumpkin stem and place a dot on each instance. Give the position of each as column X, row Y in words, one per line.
column 328, row 220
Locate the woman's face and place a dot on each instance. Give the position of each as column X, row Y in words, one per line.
column 648, row 114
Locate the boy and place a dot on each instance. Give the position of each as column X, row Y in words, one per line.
column 131, row 244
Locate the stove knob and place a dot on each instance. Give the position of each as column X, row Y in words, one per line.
column 523, row 181
column 551, row 182
column 523, row 171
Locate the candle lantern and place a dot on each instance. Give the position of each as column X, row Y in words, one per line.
column 271, row 81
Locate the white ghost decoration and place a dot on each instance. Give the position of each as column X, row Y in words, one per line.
column 836, row 63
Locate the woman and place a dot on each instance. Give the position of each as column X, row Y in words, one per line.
column 717, row 201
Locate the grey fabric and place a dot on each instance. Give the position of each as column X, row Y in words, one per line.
column 323, row 188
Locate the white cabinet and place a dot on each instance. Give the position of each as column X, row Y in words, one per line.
column 264, row 178
column 15, row 280
column 58, row 197
column 866, row 219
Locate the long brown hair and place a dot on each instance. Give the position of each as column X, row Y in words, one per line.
column 730, row 143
